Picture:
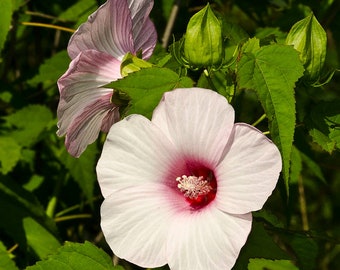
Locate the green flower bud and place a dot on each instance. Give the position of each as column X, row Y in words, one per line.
column 309, row 38
column 203, row 44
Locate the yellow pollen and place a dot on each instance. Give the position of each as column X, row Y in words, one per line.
column 193, row 186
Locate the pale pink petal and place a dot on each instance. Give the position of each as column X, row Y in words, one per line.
column 198, row 122
column 136, row 151
column 81, row 96
column 111, row 30
column 89, row 70
column 85, row 128
column 144, row 32
column 135, row 224
column 249, row 172
column 207, row 239
column 107, row 30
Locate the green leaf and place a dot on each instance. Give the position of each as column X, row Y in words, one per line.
column 28, row 123
column 75, row 256
column 51, row 70
column 146, row 87
column 259, row 245
column 323, row 123
column 82, row 169
column 39, row 238
column 295, row 166
column 5, row 260
column 10, row 152
column 261, row 264
column 80, row 11
column 305, row 249
column 272, row 72
column 5, row 20
column 25, row 221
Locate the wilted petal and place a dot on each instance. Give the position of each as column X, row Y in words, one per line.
column 111, row 29
column 135, row 223
column 81, row 97
column 249, row 172
column 85, row 128
column 198, row 121
column 207, row 239
column 144, row 32
column 136, row 151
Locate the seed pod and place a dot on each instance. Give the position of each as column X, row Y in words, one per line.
column 203, row 44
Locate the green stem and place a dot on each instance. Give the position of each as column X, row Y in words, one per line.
column 258, row 121
column 77, row 206
column 59, row 219
column 46, row 25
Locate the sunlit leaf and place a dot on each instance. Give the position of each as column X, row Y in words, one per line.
column 272, row 72
column 261, row 264
column 5, row 20
column 146, row 87
column 5, row 260
column 76, row 256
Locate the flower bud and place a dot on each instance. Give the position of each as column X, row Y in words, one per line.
column 203, row 44
column 309, row 38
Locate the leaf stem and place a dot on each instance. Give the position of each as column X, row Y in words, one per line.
column 170, row 24
column 70, row 217
column 46, row 25
column 258, row 121
column 77, row 206
column 14, row 247
column 303, row 205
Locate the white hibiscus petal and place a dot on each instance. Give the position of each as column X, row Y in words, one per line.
column 207, row 239
column 249, row 172
column 137, row 151
column 198, row 121
column 107, row 30
column 135, row 223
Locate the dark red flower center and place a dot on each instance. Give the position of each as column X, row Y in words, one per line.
column 199, row 188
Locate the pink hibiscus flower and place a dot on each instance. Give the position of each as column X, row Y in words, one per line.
column 180, row 189
column 96, row 50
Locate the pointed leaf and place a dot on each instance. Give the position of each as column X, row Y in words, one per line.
column 82, row 169
column 323, row 123
column 5, row 20
column 75, row 256
column 5, row 260
column 28, row 123
column 51, row 70
column 272, row 72
column 25, row 221
column 146, row 87
column 9, row 154
column 260, row 264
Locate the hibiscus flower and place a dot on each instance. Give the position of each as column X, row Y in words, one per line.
column 180, row 189
column 97, row 48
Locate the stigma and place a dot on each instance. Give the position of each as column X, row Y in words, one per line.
column 192, row 186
